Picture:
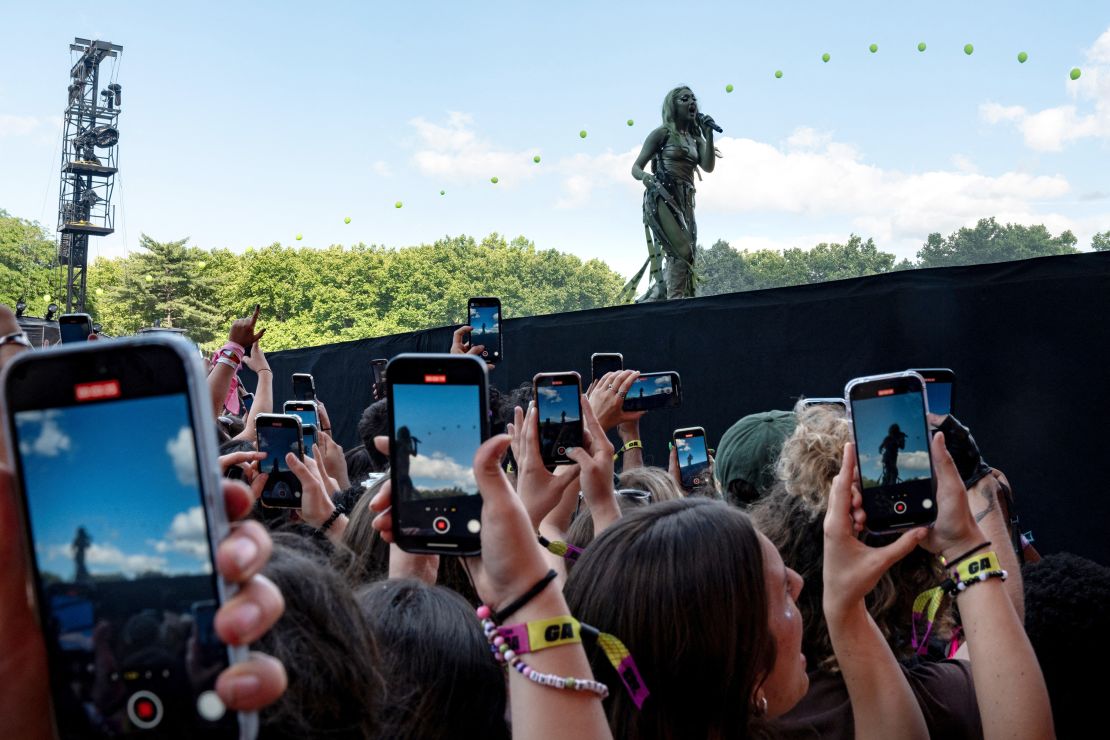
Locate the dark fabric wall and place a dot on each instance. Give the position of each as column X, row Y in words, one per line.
column 1028, row 341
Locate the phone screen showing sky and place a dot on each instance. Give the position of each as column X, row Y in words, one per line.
column 277, row 442
column 486, row 324
column 651, row 386
column 560, row 417
column 891, row 433
column 122, row 551
column 693, row 459
column 308, row 416
column 438, row 430
column 940, row 397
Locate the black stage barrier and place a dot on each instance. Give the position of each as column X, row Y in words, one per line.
column 1028, row 341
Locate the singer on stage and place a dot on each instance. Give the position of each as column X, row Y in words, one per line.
column 676, row 150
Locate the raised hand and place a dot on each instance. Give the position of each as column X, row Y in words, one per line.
column 607, row 399
column 242, row 330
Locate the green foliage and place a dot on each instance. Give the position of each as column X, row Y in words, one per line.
column 988, row 241
column 26, row 263
column 1101, row 242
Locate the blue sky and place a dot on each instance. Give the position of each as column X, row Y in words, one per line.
column 553, row 400
column 651, row 386
column 693, row 446
column 445, row 420
column 79, row 474
column 248, row 123
column 872, row 418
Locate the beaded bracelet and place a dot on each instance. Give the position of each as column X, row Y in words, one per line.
column 973, row 570
column 504, row 654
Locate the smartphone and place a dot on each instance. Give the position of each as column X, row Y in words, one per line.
column 247, row 399
column 484, row 317
column 121, row 530
column 940, row 389
column 304, row 387
column 304, row 410
column 377, row 386
column 75, row 327
column 654, row 391
column 839, row 403
column 278, row 435
column 892, row 450
column 308, row 437
column 693, row 456
column 559, row 403
column 605, row 362
column 438, row 417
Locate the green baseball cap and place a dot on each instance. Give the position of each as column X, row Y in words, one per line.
column 750, row 448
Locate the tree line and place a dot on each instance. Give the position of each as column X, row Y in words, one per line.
column 318, row 296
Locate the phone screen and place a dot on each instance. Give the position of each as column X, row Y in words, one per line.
column 437, row 428
column 308, row 433
column 558, row 403
column 485, row 323
column 693, row 457
column 940, row 387
column 606, row 363
column 74, row 332
column 121, row 553
column 304, row 387
column 651, row 391
column 892, row 444
column 305, row 411
column 282, row 487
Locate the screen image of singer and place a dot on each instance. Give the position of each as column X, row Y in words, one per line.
column 693, row 458
column 893, row 446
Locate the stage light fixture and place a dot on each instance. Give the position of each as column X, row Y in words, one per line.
column 50, row 311
column 105, row 136
column 117, row 91
column 20, row 307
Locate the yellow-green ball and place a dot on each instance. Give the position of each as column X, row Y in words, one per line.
column 1022, row 56
column 299, row 237
column 921, row 46
column 347, row 220
column 493, row 180
column 100, row 291
column 778, row 74
column 536, row 159
column 874, row 48
column 969, row 49
column 729, row 88
column 825, row 57
column 442, row 192
column 630, row 122
column 150, row 278
column 1075, row 73
column 398, row 204
column 582, row 134
column 201, row 265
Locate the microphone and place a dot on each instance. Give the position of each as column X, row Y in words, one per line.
column 702, row 118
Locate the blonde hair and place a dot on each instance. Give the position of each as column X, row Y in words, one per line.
column 656, row 481
column 810, row 457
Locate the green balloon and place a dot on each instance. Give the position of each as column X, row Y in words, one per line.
column 825, row 57
column 968, row 49
column 1022, row 56
column 728, row 88
column 398, row 204
column 299, row 237
column 874, row 48
column 536, row 159
column 493, row 180
column 778, row 74
column 630, row 122
column 921, row 46
column 582, row 134
column 1075, row 73
column 347, row 220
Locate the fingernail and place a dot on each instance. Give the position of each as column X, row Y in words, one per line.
column 246, row 618
column 243, row 552
column 241, row 688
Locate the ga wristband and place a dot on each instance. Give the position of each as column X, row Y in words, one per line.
column 632, row 444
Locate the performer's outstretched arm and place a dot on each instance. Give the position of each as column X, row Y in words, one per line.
column 651, row 145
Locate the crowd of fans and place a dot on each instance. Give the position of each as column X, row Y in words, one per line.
column 756, row 604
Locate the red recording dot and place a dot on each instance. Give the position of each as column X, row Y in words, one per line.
column 145, row 709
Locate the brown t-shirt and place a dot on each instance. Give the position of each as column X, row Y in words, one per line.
column 944, row 691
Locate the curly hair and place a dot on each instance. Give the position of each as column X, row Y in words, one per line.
column 792, row 516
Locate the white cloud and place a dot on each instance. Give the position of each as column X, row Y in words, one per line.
column 381, row 168
column 181, row 452
column 14, row 126
column 187, row 535
column 439, row 467
column 913, row 460
column 51, row 442
column 805, row 137
column 455, row 151
column 1049, row 130
column 101, row 558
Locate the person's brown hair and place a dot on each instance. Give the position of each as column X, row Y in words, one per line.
column 681, row 583
column 792, row 516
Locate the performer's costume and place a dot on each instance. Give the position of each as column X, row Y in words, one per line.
column 673, row 166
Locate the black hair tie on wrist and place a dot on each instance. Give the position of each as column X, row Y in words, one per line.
column 335, row 514
column 512, row 608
